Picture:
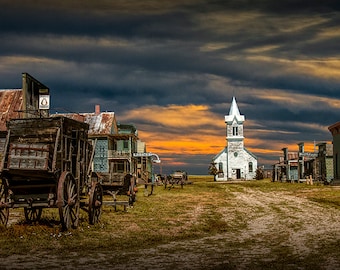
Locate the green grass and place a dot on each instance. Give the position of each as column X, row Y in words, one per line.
column 202, row 209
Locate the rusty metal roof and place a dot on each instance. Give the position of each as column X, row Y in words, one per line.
column 99, row 124
column 11, row 102
column 102, row 123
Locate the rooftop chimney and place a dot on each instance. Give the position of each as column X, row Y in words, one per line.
column 97, row 111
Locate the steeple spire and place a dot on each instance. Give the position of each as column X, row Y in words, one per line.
column 234, row 108
column 234, row 113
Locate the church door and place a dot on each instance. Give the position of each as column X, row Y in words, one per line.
column 238, row 173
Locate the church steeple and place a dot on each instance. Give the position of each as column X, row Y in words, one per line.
column 234, row 122
column 234, row 113
column 234, row 108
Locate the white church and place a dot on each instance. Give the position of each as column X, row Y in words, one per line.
column 235, row 162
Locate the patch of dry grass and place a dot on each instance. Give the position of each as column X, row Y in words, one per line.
column 254, row 218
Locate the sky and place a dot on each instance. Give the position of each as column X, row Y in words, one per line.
column 171, row 68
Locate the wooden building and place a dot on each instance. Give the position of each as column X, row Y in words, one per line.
column 32, row 100
column 335, row 130
column 287, row 167
column 116, row 147
column 300, row 165
column 324, row 170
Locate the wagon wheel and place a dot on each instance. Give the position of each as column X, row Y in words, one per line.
column 95, row 202
column 4, row 210
column 68, row 201
column 167, row 181
column 182, row 183
column 32, row 214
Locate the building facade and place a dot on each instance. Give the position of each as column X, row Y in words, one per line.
column 300, row 165
column 335, row 130
column 118, row 149
column 22, row 103
column 235, row 162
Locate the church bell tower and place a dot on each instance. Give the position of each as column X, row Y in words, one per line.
column 234, row 122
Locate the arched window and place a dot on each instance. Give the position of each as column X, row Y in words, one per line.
column 250, row 166
column 220, row 167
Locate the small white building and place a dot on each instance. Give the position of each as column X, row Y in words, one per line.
column 235, row 162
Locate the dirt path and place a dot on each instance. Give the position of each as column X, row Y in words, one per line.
column 281, row 231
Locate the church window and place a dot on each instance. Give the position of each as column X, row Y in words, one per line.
column 250, row 166
column 220, row 167
column 235, row 131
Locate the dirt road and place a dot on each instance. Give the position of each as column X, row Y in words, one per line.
column 280, row 231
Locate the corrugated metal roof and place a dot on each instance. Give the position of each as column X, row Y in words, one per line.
column 11, row 102
column 99, row 124
column 102, row 123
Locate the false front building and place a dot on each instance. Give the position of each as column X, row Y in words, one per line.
column 235, row 162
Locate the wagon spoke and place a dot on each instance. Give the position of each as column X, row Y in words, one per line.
column 32, row 214
column 4, row 210
column 95, row 203
column 73, row 198
column 70, row 188
column 68, row 201
column 73, row 215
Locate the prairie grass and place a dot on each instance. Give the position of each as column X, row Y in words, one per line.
column 200, row 210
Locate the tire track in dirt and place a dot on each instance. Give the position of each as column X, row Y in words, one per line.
column 272, row 220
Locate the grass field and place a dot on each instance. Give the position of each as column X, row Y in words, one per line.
column 205, row 225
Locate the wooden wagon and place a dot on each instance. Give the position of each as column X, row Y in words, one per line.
column 47, row 163
column 176, row 178
column 114, row 184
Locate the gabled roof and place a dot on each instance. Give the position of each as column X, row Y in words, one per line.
column 11, row 103
column 103, row 123
column 225, row 149
column 234, row 113
column 250, row 153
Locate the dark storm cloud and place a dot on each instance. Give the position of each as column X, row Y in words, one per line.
column 279, row 58
column 96, row 20
column 281, row 7
column 167, row 55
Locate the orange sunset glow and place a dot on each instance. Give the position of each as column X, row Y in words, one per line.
column 190, row 130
